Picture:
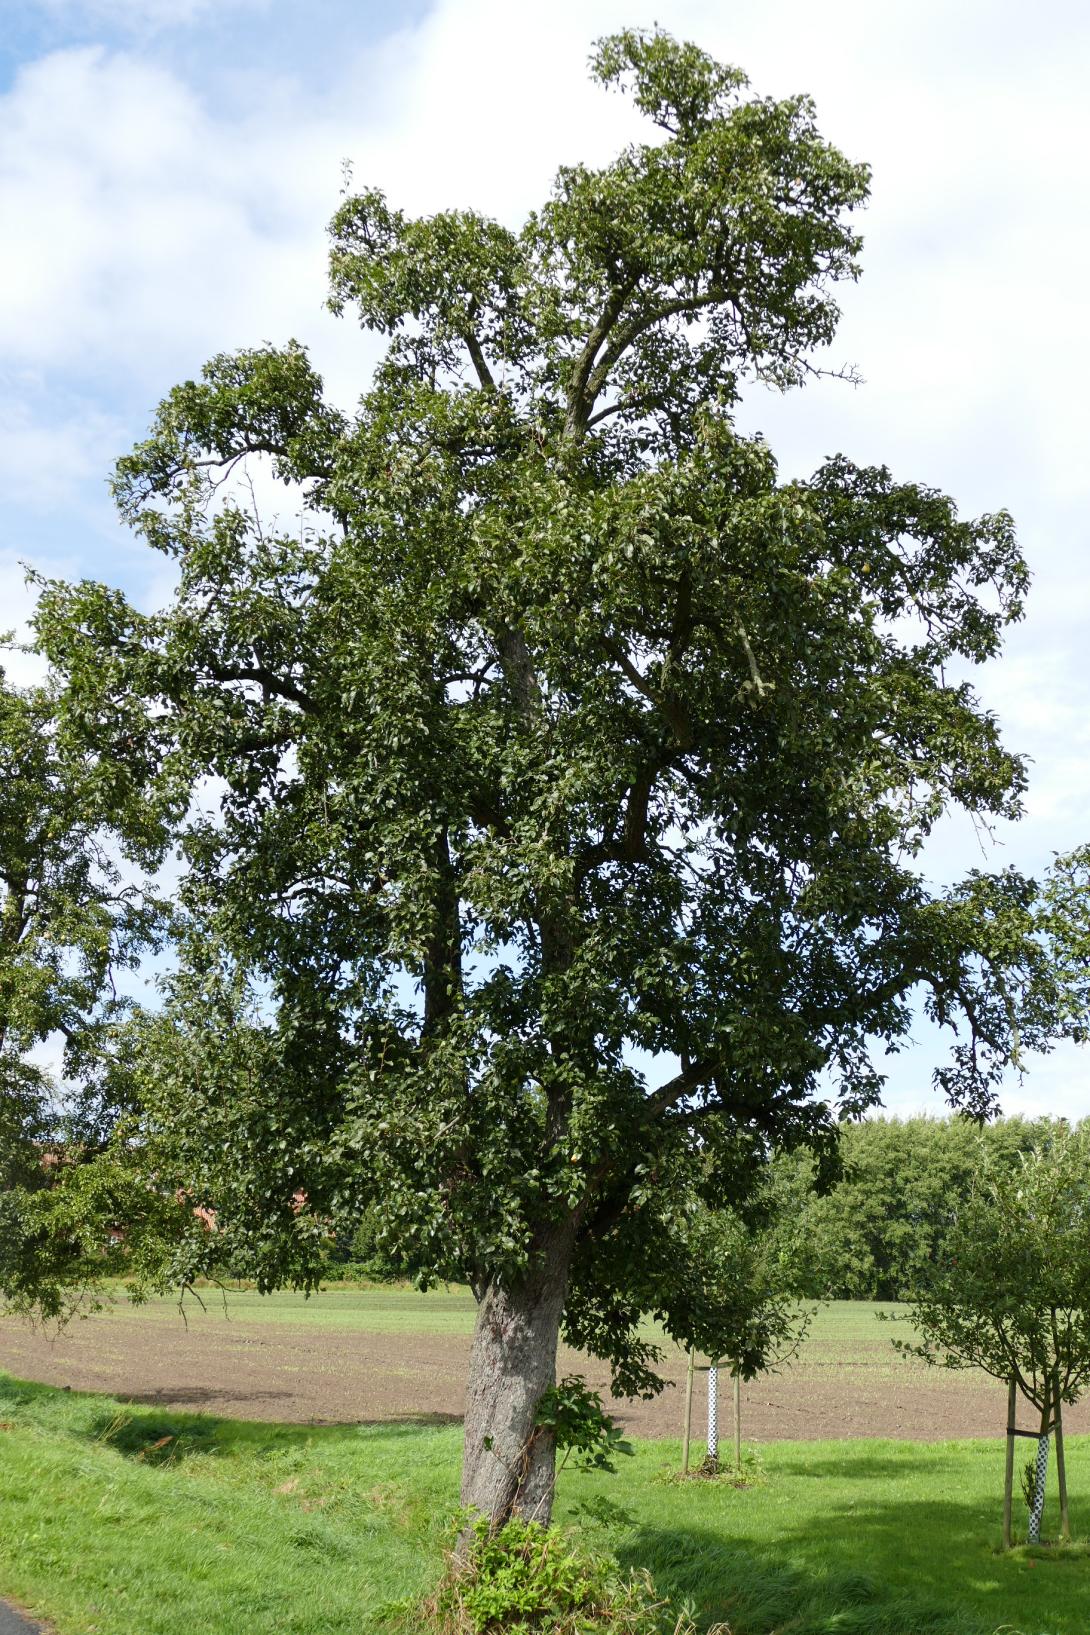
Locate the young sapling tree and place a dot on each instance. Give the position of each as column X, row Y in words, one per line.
column 1013, row 1295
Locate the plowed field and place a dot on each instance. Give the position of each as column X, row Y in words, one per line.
column 361, row 1356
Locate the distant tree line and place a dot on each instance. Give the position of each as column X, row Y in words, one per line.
column 876, row 1228
column 877, row 1232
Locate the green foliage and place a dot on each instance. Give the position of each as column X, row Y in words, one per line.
column 525, row 1579
column 1012, row 1295
column 715, row 1278
column 100, row 1221
column 575, row 1416
column 68, row 923
column 353, row 1271
column 371, row 1249
column 1028, row 1482
column 219, row 1092
column 877, row 1230
column 76, row 913
column 559, row 732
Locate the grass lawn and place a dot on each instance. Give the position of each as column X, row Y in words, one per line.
column 117, row 1520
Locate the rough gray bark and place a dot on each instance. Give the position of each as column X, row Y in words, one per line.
column 509, row 1465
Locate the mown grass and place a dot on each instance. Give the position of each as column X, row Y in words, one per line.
column 117, row 1520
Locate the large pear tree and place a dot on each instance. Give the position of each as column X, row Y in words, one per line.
column 559, row 773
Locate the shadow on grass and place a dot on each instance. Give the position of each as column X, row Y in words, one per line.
column 158, row 1436
column 153, row 1439
column 769, row 1591
column 876, row 1467
column 195, row 1398
column 22, row 1392
column 906, row 1567
column 184, row 1408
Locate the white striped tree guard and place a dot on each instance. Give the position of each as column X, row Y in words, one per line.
column 713, row 1412
column 1039, row 1490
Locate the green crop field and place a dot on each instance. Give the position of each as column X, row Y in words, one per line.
column 842, row 1331
column 369, row 1310
column 120, row 1520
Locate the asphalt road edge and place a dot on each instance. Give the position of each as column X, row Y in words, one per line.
column 13, row 1622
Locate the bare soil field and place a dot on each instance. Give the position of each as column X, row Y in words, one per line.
column 346, row 1362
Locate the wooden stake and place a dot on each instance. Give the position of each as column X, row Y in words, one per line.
column 737, row 1421
column 1061, row 1472
column 688, row 1413
column 1008, row 1483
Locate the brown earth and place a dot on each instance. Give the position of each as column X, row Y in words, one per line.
column 293, row 1373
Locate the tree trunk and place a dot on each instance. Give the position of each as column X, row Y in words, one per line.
column 1061, row 1467
column 509, row 1465
column 1040, row 1472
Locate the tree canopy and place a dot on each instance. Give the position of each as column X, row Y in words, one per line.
column 876, row 1230
column 74, row 916
column 1012, row 1295
column 559, row 734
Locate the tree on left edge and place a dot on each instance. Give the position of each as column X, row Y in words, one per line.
column 78, row 839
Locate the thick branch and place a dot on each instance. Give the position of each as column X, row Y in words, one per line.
column 279, row 686
column 580, row 402
column 635, row 817
column 671, row 708
column 473, row 347
column 518, row 667
column 754, row 673
column 486, row 813
column 443, row 959
column 15, row 916
column 676, row 1089
column 628, row 333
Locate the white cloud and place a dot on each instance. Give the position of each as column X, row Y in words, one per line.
column 143, row 230
column 136, row 14
column 53, row 454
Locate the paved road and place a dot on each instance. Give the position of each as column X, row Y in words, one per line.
column 11, row 1623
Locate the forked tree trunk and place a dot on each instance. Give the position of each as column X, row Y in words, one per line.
column 509, row 1464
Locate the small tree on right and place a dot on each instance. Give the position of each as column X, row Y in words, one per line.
column 1013, row 1295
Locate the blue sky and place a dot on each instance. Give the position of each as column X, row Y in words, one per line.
column 167, row 168
column 206, row 41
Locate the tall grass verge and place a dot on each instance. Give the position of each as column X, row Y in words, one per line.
column 122, row 1518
